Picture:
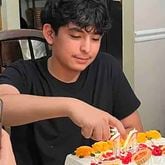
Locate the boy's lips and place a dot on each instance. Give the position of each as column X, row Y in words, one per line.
column 82, row 60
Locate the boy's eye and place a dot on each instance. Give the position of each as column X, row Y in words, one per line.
column 75, row 36
column 97, row 38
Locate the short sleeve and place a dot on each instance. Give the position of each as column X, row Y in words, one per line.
column 14, row 75
column 125, row 100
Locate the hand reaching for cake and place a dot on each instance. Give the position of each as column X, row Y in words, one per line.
column 6, row 152
column 94, row 123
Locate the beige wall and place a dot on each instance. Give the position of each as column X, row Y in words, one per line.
column 144, row 57
column 149, row 59
column 10, row 14
column 0, row 19
column 128, row 39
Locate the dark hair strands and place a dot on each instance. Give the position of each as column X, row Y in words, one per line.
column 83, row 13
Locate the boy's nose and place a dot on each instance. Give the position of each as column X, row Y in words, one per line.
column 86, row 46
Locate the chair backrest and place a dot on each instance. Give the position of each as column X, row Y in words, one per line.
column 21, row 43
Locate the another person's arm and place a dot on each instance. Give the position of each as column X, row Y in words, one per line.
column 21, row 109
column 6, row 152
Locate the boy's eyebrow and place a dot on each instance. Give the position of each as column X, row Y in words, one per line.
column 78, row 29
column 75, row 29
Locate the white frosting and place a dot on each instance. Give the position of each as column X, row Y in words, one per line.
column 154, row 160
column 74, row 160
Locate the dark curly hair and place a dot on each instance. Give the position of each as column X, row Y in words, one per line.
column 83, row 13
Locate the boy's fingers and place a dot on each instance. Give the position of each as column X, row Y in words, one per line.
column 116, row 123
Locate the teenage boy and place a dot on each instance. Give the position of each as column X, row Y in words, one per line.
column 58, row 103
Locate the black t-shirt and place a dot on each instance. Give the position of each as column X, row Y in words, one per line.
column 47, row 142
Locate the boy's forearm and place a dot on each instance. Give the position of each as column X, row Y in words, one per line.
column 22, row 109
column 133, row 121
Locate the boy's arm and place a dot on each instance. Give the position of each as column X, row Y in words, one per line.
column 133, row 121
column 21, row 109
column 6, row 152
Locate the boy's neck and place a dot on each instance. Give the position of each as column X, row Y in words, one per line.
column 61, row 73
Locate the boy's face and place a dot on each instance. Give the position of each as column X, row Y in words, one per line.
column 74, row 48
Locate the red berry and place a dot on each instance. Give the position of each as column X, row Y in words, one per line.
column 142, row 146
column 104, row 155
column 126, row 160
column 109, row 153
column 129, row 154
column 93, row 164
column 156, row 151
column 112, row 158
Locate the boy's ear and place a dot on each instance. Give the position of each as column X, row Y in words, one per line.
column 48, row 33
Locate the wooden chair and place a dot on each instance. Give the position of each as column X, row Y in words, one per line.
column 16, row 44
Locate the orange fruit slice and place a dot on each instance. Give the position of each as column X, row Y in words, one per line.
column 141, row 156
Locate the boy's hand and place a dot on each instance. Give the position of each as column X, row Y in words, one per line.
column 6, row 152
column 94, row 123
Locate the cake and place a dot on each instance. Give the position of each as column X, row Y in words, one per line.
column 144, row 148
